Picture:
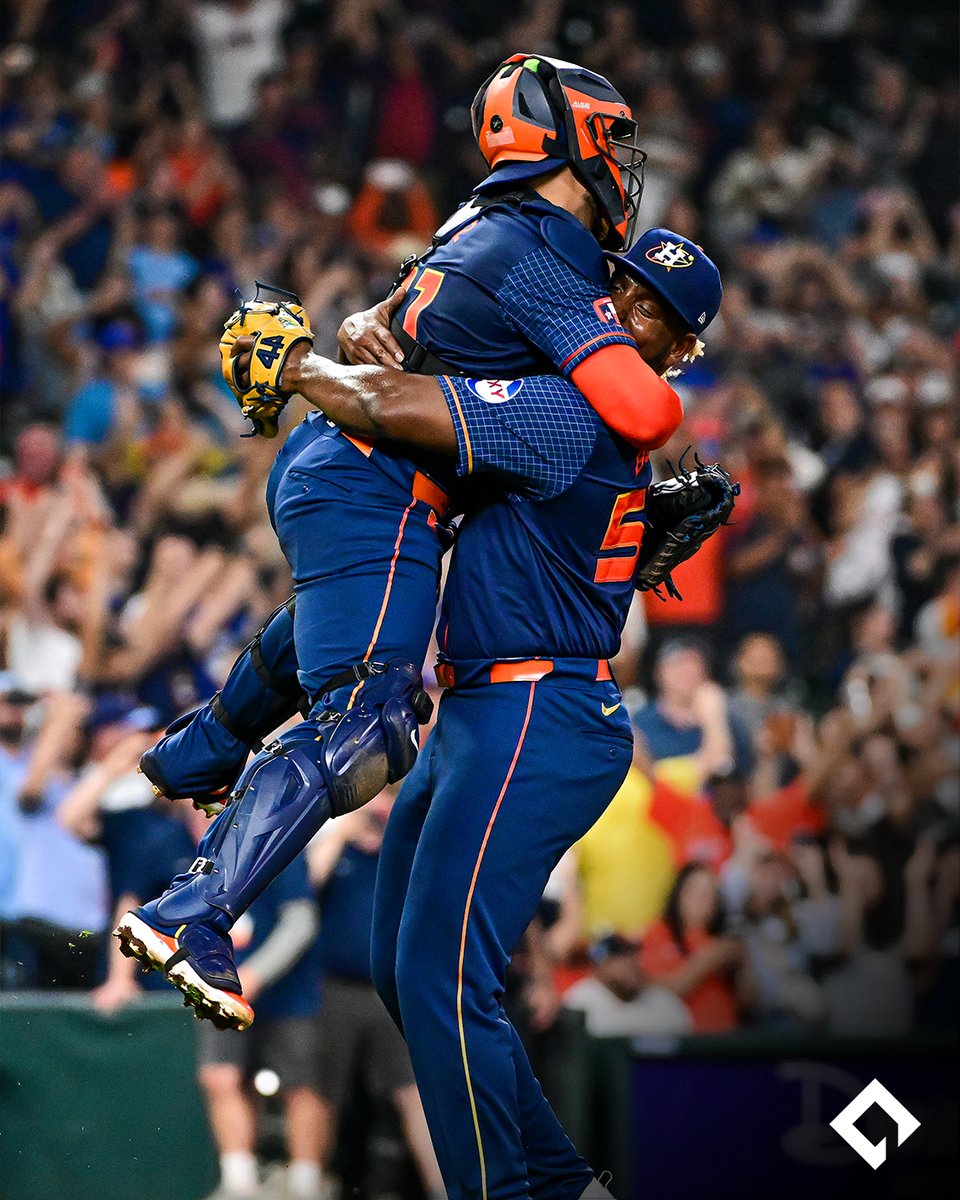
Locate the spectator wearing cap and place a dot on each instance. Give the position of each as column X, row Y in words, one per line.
column 146, row 840
column 393, row 214
column 108, row 403
column 617, row 1000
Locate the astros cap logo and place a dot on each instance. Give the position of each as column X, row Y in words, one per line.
column 670, row 255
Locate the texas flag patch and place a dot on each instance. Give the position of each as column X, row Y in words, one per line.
column 605, row 310
column 495, row 391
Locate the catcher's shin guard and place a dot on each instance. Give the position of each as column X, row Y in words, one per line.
column 321, row 768
column 203, row 752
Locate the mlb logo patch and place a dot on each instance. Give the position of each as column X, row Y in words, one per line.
column 495, row 391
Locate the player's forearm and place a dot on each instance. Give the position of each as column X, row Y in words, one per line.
column 375, row 402
column 629, row 396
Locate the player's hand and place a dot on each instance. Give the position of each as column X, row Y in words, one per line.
column 242, row 349
column 365, row 337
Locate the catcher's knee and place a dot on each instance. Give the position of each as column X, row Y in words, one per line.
column 377, row 741
column 359, row 752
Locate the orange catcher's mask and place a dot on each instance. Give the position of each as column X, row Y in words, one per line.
column 535, row 113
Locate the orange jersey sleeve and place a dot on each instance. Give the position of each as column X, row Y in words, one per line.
column 629, row 396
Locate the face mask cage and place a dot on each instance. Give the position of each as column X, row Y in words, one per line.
column 616, row 140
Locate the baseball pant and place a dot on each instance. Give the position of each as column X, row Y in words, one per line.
column 365, row 563
column 512, row 776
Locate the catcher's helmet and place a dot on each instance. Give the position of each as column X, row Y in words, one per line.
column 534, row 113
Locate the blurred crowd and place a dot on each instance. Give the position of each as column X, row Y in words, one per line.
column 786, row 850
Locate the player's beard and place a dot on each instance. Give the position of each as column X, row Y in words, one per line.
column 658, row 362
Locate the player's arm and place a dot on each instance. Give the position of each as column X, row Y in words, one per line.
column 628, row 396
column 374, row 402
column 538, row 431
column 570, row 319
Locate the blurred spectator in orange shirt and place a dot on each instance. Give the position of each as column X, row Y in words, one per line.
column 201, row 173
column 685, row 951
column 393, row 213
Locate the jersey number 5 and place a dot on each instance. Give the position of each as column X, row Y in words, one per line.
column 613, row 566
column 426, row 288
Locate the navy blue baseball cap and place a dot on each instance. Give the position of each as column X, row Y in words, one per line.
column 679, row 271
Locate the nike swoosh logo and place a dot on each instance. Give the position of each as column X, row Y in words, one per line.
column 608, row 712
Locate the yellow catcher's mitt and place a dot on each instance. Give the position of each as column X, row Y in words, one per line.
column 276, row 325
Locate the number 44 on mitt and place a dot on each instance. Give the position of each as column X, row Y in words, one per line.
column 276, row 326
column 680, row 514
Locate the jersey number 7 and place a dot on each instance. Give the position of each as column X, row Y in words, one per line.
column 426, row 288
column 622, row 534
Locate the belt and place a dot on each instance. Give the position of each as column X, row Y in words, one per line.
column 474, row 672
column 423, row 487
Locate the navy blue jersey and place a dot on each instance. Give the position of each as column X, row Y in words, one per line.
column 511, row 289
column 546, row 568
column 346, row 907
column 145, row 849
